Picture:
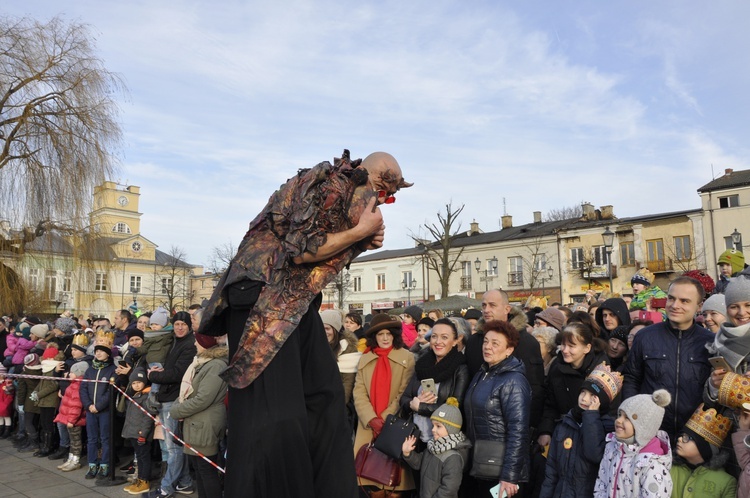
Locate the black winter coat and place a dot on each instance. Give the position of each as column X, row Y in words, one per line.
column 663, row 357
column 575, row 454
column 616, row 306
column 528, row 351
column 455, row 386
column 497, row 407
column 563, row 385
column 178, row 360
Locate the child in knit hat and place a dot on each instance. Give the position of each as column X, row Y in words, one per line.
column 731, row 262
column 441, row 467
column 700, row 458
column 578, row 442
column 637, row 457
column 72, row 414
column 139, row 429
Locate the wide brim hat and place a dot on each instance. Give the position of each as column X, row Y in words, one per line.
column 383, row 321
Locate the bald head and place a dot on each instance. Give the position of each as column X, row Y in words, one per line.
column 384, row 172
column 495, row 305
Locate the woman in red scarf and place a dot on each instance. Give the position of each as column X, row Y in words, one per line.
column 382, row 375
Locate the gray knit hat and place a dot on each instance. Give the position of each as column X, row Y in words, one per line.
column 159, row 317
column 738, row 289
column 332, row 318
column 715, row 303
column 66, row 325
column 79, row 368
column 646, row 412
column 449, row 415
column 415, row 312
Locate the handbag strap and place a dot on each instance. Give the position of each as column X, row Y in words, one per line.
column 359, row 478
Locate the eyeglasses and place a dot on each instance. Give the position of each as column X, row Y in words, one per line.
column 385, row 198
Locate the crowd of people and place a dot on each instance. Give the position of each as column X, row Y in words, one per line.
column 89, row 390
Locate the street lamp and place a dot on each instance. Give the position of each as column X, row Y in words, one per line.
column 550, row 271
column 737, row 240
column 408, row 286
column 489, row 273
column 609, row 239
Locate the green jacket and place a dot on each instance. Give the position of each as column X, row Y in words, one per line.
column 156, row 344
column 47, row 389
column 640, row 300
column 702, row 483
column 203, row 412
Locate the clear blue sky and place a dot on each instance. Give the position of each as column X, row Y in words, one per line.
column 543, row 104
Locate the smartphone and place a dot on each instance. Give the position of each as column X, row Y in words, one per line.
column 122, row 363
column 429, row 386
column 719, row 362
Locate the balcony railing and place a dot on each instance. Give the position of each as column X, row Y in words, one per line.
column 515, row 278
column 659, row 266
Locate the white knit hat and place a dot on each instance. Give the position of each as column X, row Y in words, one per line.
column 646, row 412
column 332, row 318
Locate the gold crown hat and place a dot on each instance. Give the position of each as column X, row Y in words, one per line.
column 643, row 276
column 610, row 381
column 734, row 390
column 104, row 338
column 81, row 339
column 710, row 425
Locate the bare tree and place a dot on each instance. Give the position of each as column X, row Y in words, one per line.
column 564, row 213
column 59, row 134
column 172, row 280
column 535, row 264
column 684, row 257
column 439, row 257
column 221, row 256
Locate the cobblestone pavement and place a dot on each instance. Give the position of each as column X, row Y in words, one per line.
column 22, row 475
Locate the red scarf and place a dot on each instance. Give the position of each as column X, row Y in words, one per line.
column 380, row 387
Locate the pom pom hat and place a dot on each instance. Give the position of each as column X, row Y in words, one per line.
column 449, row 415
column 646, row 412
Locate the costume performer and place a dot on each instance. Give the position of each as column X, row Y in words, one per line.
column 288, row 436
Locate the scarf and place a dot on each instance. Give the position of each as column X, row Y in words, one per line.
column 733, row 343
column 99, row 364
column 427, row 367
column 443, row 444
column 186, row 386
column 380, row 387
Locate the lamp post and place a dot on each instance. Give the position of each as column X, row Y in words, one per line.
column 737, row 240
column 609, row 239
column 489, row 273
column 550, row 271
column 408, row 286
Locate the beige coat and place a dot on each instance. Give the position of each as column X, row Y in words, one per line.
column 402, row 369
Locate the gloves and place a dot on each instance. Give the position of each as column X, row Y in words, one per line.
column 141, row 441
column 34, row 396
column 376, row 425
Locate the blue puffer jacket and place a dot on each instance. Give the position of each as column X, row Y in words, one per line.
column 575, row 454
column 663, row 357
column 497, row 405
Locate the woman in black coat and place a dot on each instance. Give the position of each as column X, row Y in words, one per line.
column 446, row 366
column 579, row 353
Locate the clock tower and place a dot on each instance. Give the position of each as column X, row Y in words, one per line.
column 115, row 212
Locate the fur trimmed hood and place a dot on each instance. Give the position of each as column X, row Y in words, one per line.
column 516, row 317
column 216, row 352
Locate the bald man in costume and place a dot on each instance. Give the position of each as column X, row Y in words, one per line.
column 288, row 436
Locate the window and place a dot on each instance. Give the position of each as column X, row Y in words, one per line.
column 121, row 228
column 381, row 281
column 627, row 254
column 600, row 255
column 135, row 283
column 166, row 285
column 67, row 281
column 729, row 201
column 515, row 270
column 465, row 275
column 655, row 250
column 576, row 258
column 357, row 284
column 101, row 282
column 540, row 263
column 50, row 283
column 682, row 248
column 406, row 279
column 34, row 277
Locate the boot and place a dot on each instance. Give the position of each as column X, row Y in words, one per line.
column 31, row 444
column 44, row 447
column 138, row 487
column 6, row 432
column 19, row 438
column 62, row 452
column 103, row 473
column 74, row 463
column 93, row 470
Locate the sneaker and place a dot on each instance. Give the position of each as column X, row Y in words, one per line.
column 128, row 465
column 132, row 470
column 103, row 473
column 160, row 493
column 185, row 489
column 93, row 470
column 138, row 487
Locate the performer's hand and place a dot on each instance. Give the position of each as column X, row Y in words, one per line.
column 373, row 241
column 371, row 220
column 376, row 425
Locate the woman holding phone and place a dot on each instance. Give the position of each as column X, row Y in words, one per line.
column 439, row 374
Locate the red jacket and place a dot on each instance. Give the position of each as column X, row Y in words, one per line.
column 71, row 410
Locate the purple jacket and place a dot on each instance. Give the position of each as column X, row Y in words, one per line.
column 22, row 349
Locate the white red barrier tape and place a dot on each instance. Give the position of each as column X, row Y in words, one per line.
column 112, row 382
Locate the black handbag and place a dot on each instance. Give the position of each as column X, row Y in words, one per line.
column 487, row 462
column 391, row 438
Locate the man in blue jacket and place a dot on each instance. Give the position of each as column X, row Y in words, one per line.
column 672, row 355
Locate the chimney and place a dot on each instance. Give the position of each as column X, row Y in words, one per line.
column 537, row 216
column 474, row 227
column 728, row 171
column 607, row 212
column 589, row 213
column 506, row 221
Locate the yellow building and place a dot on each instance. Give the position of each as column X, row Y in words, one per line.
column 109, row 267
